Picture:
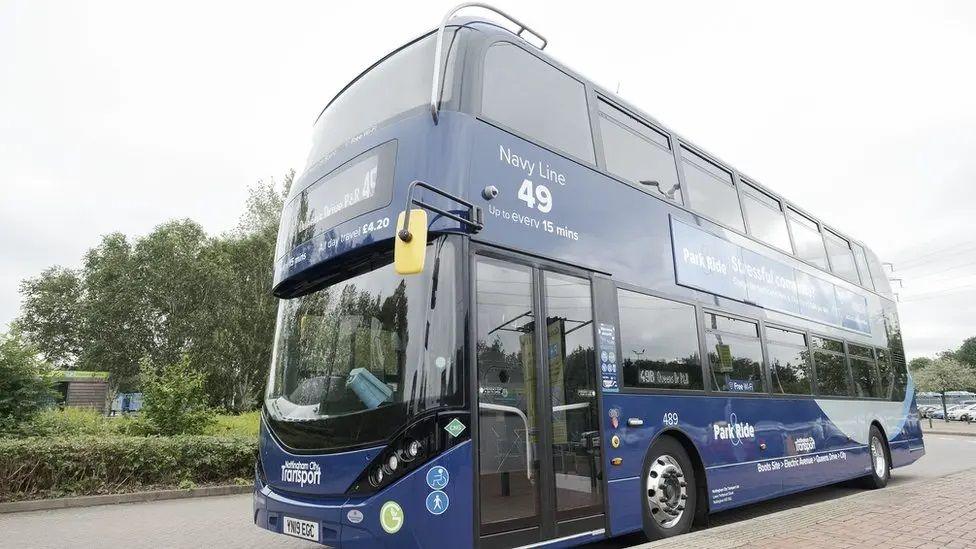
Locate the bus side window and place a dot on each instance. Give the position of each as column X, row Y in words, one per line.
column 734, row 354
column 659, row 342
column 806, row 236
column 638, row 153
column 833, row 378
column 841, row 257
column 531, row 96
column 864, row 369
column 861, row 260
column 767, row 222
column 789, row 362
column 711, row 190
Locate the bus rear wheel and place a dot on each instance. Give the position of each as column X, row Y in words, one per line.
column 880, row 467
column 670, row 490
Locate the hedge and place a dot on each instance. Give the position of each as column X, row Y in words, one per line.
column 39, row 467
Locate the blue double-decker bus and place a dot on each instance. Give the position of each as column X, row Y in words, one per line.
column 518, row 311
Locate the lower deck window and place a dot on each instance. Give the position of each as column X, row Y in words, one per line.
column 736, row 359
column 659, row 342
column 832, row 375
column 866, row 382
column 789, row 362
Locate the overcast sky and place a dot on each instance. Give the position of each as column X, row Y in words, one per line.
column 117, row 116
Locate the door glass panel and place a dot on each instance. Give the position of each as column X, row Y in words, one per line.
column 572, row 383
column 509, row 464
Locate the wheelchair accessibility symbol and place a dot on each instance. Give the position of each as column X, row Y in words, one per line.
column 437, row 502
column 437, row 477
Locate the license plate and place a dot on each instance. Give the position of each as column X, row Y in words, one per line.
column 299, row 528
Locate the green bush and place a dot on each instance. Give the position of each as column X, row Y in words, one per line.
column 24, row 389
column 54, row 422
column 174, row 400
column 245, row 424
column 37, row 467
column 69, row 422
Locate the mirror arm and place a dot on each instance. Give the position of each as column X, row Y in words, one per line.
column 475, row 219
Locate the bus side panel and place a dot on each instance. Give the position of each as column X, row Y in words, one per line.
column 909, row 445
column 752, row 449
column 727, row 433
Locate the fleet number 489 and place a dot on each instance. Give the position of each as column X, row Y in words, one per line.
column 540, row 198
column 670, row 419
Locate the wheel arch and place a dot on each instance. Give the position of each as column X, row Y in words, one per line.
column 884, row 438
column 701, row 513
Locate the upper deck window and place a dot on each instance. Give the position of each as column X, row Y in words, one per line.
column 766, row 219
column 878, row 274
column 397, row 84
column 861, row 260
column 841, row 257
column 806, row 236
column 534, row 98
column 711, row 190
column 638, row 153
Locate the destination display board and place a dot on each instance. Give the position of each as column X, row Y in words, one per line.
column 710, row 263
column 361, row 185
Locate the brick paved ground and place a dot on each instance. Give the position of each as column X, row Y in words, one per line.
column 924, row 514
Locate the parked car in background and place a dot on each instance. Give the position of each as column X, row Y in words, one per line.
column 926, row 410
column 963, row 412
column 939, row 414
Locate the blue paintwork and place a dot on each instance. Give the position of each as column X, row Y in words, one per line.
column 606, row 226
column 420, row 529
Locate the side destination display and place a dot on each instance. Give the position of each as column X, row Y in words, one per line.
column 712, row 264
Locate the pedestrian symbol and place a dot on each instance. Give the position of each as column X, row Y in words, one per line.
column 391, row 517
column 437, row 478
column 437, row 502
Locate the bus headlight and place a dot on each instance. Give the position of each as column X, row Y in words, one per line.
column 411, row 450
column 377, row 477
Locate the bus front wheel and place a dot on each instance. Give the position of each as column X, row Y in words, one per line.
column 880, row 467
column 670, row 490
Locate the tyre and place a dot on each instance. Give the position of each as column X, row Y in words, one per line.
column 880, row 464
column 670, row 490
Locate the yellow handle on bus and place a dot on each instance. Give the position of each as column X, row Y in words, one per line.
column 410, row 249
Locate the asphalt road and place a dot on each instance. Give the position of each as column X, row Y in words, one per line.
column 226, row 522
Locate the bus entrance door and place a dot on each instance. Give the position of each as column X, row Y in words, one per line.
column 538, row 431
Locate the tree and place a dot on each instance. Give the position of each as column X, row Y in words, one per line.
column 174, row 400
column 51, row 316
column 944, row 374
column 966, row 353
column 915, row 365
column 114, row 330
column 174, row 293
column 240, row 309
column 24, row 387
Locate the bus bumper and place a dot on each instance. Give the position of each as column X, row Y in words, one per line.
column 354, row 523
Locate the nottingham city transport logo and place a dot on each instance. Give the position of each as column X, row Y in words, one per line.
column 733, row 430
column 301, row 472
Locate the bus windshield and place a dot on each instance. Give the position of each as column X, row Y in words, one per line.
column 353, row 362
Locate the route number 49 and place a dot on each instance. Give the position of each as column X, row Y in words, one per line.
column 541, row 199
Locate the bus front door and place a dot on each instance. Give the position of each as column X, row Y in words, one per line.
column 538, row 431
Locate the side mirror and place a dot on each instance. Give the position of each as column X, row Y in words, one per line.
column 410, row 249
